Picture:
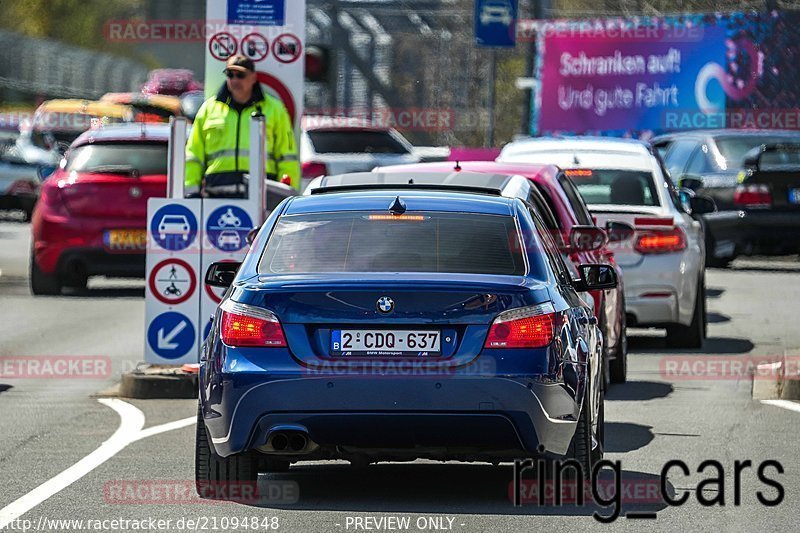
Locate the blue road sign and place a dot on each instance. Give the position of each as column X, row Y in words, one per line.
column 227, row 228
column 257, row 12
column 173, row 227
column 171, row 335
column 495, row 23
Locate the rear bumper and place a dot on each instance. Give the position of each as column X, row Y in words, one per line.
column 770, row 231
column 751, row 231
column 434, row 416
column 18, row 201
column 662, row 289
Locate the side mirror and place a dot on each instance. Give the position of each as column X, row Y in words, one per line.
column 702, row 204
column 251, row 235
column 619, row 231
column 222, row 274
column 587, row 238
column 44, row 171
column 693, row 183
column 596, row 277
column 685, row 196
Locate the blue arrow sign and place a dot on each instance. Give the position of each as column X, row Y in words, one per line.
column 171, row 335
column 496, row 23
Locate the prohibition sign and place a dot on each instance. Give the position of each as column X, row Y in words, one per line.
column 168, row 285
column 287, row 48
column 222, row 45
column 255, row 46
column 282, row 90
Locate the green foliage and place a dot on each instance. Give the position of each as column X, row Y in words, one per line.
column 76, row 22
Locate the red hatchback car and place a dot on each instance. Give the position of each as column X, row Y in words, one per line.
column 91, row 217
column 569, row 210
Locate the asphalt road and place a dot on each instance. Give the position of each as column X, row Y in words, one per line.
column 67, row 455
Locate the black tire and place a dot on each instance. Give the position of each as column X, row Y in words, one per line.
column 691, row 336
column 618, row 367
column 216, row 477
column 580, row 449
column 43, row 284
column 27, row 214
column 605, row 375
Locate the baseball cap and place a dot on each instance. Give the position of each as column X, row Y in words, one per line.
column 241, row 63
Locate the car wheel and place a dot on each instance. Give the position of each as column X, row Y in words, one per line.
column 580, row 449
column 619, row 365
column 43, row 284
column 214, row 475
column 691, row 336
column 27, row 214
column 605, row 376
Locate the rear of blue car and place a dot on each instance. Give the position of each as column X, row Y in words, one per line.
column 431, row 329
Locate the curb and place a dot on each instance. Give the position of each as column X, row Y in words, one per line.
column 783, row 382
column 159, row 382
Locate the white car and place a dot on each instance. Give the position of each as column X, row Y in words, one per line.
column 229, row 238
column 173, row 225
column 337, row 145
column 663, row 265
column 496, row 11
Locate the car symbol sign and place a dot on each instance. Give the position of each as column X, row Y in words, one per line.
column 385, row 304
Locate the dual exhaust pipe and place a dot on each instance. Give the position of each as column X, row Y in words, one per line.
column 288, row 442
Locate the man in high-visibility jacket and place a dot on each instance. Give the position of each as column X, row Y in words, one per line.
column 218, row 151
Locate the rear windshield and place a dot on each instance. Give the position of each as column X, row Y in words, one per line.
column 733, row 149
column 616, row 187
column 781, row 158
column 145, row 158
column 347, row 142
column 371, row 242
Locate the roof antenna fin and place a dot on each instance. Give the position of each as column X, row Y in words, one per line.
column 398, row 207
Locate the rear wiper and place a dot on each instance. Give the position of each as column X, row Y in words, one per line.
column 114, row 169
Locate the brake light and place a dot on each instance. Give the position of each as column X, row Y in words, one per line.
column 754, row 195
column 245, row 325
column 528, row 327
column 661, row 241
column 312, row 169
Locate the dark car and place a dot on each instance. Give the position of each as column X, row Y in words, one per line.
column 375, row 323
column 710, row 162
column 566, row 216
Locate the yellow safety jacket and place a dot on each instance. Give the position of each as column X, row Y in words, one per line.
column 220, row 140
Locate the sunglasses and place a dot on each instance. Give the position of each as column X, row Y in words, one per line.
column 239, row 75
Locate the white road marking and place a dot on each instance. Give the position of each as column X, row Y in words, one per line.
column 169, row 426
column 783, row 404
column 129, row 430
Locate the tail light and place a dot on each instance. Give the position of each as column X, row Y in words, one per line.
column 245, row 325
column 661, row 241
column 53, row 198
column 312, row 169
column 754, row 195
column 528, row 327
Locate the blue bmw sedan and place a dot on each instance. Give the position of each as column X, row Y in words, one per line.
column 381, row 323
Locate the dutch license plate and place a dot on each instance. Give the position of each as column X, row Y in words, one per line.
column 794, row 196
column 385, row 342
column 125, row 239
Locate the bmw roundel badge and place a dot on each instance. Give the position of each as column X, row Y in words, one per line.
column 385, row 304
